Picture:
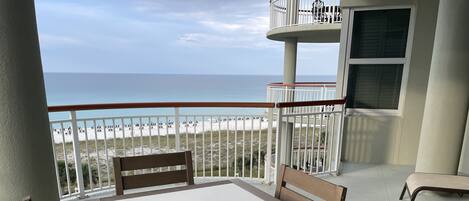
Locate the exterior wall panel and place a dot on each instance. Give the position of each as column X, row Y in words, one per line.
column 375, row 138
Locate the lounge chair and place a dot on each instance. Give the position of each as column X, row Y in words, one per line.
column 417, row 182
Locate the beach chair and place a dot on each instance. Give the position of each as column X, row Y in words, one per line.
column 320, row 188
column 417, row 182
column 152, row 179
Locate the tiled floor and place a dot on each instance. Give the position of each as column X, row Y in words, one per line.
column 364, row 183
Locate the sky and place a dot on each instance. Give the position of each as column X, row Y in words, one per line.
column 168, row 37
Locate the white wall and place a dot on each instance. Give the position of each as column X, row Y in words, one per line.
column 393, row 139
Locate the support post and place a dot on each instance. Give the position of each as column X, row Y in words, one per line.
column 268, row 163
column 289, row 77
column 77, row 155
column 176, row 129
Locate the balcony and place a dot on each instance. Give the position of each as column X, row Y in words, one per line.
column 224, row 145
column 307, row 20
column 241, row 144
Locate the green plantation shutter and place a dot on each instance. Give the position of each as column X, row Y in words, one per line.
column 380, row 33
column 374, row 86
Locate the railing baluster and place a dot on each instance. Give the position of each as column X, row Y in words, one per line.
column 313, row 139
column 280, row 148
column 203, row 146
column 195, row 146
column 259, row 149
column 123, row 137
column 326, row 145
column 59, row 186
column 140, row 129
column 67, row 174
column 158, row 133
column 236, row 147
column 186, row 125
column 298, row 159
column 219, row 146
column 268, row 164
column 211, row 146
column 77, row 154
column 332, row 135
column 167, row 135
column 176, row 129
column 106, row 153
column 132, row 135
column 244, row 143
column 292, row 140
column 305, row 157
column 318, row 159
column 150, row 127
column 97, row 154
column 227, row 146
column 252, row 134
column 88, row 156
column 114, row 136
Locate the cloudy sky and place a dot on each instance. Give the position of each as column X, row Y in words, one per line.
column 168, row 37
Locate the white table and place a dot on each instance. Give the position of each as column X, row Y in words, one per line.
column 230, row 190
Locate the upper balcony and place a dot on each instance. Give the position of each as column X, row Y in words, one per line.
column 317, row 21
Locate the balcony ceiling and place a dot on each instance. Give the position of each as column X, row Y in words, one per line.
column 309, row 33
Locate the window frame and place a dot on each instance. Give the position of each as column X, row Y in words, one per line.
column 404, row 61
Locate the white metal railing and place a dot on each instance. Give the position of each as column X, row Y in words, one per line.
column 301, row 91
column 223, row 145
column 278, row 13
column 315, row 141
column 304, row 12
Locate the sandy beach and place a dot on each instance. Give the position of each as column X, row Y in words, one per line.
column 160, row 129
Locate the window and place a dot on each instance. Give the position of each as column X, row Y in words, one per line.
column 380, row 33
column 374, row 86
column 376, row 59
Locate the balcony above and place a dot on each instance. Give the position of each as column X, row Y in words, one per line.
column 308, row 20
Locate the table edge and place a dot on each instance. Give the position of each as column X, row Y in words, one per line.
column 255, row 191
column 166, row 190
column 245, row 186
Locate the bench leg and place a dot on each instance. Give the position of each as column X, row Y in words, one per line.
column 461, row 194
column 403, row 192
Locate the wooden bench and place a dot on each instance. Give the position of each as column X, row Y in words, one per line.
column 417, row 182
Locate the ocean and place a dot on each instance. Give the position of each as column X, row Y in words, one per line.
column 92, row 88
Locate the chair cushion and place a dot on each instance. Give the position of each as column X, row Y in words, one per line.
column 417, row 180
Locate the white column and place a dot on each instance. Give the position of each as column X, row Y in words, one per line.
column 447, row 100
column 26, row 160
column 289, row 62
column 289, row 77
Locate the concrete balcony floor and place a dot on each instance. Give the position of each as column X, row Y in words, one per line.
column 364, row 183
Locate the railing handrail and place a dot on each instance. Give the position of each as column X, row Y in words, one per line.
column 311, row 103
column 303, row 84
column 105, row 106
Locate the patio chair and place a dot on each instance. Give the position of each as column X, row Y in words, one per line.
column 417, row 182
column 320, row 188
column 152, row 179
